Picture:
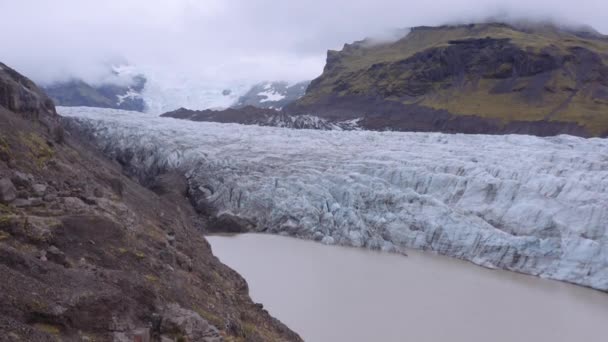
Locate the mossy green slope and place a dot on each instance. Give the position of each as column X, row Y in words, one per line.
column 498, row 72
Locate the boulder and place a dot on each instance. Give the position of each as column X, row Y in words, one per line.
column 23, row 180
column 39, row 189
column 8, row 193
column 55, row 255
column 141, row 335
column 49, row 197
column 171, row 238
column 74, row 204
column 184, row 261
column 28, row 202
column 227, row 223
column 188, row 325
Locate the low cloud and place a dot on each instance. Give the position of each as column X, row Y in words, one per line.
column 231, row 40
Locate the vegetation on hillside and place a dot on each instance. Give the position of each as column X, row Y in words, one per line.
column 494, row 71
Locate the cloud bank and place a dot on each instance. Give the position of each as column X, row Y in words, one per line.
column 229, row 40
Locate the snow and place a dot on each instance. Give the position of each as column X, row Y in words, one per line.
column 271, row 95
column 528, row 204
column 130, row 95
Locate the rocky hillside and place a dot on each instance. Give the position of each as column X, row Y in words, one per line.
column 273, row 95
column 482, row 78
column 245, row 115
column 86, row 254
column 80, row 93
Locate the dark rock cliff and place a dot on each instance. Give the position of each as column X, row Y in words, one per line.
column 20, row 95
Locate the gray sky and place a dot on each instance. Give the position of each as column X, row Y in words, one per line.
column 231, row 39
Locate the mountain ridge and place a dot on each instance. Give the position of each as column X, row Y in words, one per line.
column 77, row 93
column 272, row 95
column 496, row 78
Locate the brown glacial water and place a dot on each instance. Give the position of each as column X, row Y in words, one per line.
column 330, row 293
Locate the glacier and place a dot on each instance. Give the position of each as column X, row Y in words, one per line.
column 166, row 91
column 166, row 95
column 528, row 204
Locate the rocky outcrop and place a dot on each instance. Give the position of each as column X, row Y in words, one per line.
column 20, row 95
column 251, row 115
column 245, row 115
column 486, row 78
column 88, row 254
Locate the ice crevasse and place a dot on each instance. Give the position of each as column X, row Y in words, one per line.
column 522, row 203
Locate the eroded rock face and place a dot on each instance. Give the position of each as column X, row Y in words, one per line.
column 20, row 95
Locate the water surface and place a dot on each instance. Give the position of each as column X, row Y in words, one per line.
column 330, row 293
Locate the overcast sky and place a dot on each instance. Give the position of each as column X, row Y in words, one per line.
column 231, row 39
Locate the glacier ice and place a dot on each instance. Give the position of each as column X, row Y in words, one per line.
column 522, row 203
column 271, row 96
column 167, row 92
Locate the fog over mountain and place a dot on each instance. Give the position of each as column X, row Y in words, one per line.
column 206, row 40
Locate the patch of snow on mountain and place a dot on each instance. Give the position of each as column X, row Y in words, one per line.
column 523, row 203
column 271, row 96
column 129, row 95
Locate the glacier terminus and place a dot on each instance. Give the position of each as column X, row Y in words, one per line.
column 528, row 204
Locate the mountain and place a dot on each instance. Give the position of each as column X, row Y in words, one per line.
column 273, row 95
column 481, row 78
column 79, row 93
column 87, row 254
column 163, row 95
